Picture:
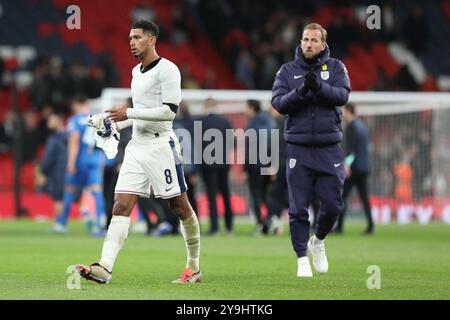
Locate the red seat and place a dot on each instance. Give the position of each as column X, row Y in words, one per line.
column 384, row 59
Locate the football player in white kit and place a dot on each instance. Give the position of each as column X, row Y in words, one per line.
column 152, row 157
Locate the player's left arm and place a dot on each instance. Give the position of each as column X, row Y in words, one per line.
column 337, row 93
column 170, row 78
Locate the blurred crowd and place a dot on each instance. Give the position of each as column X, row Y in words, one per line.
column 55, row 83
column 256, row 40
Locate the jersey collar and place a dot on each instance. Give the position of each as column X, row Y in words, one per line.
column 150, row 66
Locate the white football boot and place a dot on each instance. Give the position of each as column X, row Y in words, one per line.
column 94, row 272
column 304, row 268
column 187, row 276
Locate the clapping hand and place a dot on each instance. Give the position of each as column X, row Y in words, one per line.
column 311, row 81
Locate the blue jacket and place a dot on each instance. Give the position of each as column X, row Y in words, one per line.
column 314, row 119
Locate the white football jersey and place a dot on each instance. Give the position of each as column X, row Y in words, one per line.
column 151, row 88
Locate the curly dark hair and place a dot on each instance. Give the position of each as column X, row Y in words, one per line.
column 146, row 26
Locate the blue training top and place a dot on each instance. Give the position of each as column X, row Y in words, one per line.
column 88, row 154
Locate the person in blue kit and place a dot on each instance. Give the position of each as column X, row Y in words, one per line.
column 310, row 91
column 84, row 167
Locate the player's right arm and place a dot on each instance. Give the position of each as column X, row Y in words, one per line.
column 285, row 100
column 96, row 121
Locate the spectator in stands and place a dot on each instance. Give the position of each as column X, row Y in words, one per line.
column 6, row 132
column 258, row 183
column 77, row 80
column 40, row 88
column 339, row 39
column 357, row 164
column 245, row 67
column 110, row 71
column 180, row 26
column 57, row 82
column 215, row 175
column 416, row 30
column 388, row 22
column 30, row 136
column 143, row 11
column 95, row 83
column 267, row 65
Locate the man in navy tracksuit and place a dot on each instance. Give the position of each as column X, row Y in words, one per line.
column 310, row 91
column 357, row 164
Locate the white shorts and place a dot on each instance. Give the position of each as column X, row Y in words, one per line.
column 155, row 164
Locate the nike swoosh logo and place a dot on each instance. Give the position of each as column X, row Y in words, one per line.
column 337, row 165
column 297, row 77
column 169, row 188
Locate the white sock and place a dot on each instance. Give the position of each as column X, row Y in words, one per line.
column 190, row 229
column 114, row 240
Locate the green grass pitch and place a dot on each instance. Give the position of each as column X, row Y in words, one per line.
column 414, row 261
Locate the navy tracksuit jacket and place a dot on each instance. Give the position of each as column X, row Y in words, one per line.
column 313, row 130
column 53, row 164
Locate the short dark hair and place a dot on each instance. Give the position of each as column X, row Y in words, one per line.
column 146, row 26
column 255, row 105
column 350, row 107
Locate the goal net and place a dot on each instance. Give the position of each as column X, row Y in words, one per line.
column 409, row 150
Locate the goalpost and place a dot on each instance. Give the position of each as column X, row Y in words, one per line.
column 409, row 149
